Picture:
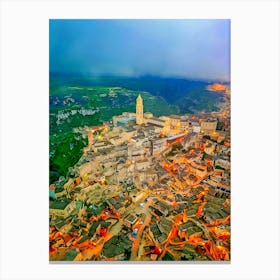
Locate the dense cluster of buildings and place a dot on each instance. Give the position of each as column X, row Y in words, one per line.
column 147, row 188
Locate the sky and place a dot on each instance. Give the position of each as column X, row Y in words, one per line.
column 198, row 49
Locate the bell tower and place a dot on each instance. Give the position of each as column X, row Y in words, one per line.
column 139, row 110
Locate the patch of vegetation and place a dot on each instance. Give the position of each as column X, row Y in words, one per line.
column 66, row 152
column 168, row 257
column 219, row 167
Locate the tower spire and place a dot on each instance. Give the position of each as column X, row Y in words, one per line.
column 139, row 110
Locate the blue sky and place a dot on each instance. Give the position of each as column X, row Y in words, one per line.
column 197, row 49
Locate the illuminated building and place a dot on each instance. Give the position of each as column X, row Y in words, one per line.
column 175, row 121
column 90, row 138
column 195, row 127
column 156, row 121
column 158, row 145
column 61, row 208
column 148, row 115
column 224, row 163
column 130, row 220
column 184, row 124
column 123, row 119
column 208, row 127
column 139, row 110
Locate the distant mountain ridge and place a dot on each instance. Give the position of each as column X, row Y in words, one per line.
column 189, row 95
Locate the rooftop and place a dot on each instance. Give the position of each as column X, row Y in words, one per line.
column 115, row 246
column 175, row 117
column 59, row 204
column 131, row 218
column 165, row 225
column 190, row 227
column 71, row 255
column 156, row 119
column 155, row 230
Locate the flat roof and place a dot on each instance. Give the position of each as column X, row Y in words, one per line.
column 156, row 119
column 174, row 117
column 70, row 255
column 131, row 218
column 127, row 120
column 155, row 230
column 117, row 245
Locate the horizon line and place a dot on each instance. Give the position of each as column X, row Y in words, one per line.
column 90, row 75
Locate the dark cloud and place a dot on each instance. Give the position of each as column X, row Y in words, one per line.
column 185, row 48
